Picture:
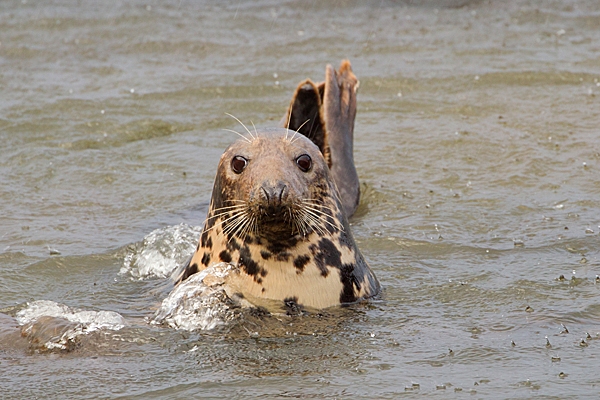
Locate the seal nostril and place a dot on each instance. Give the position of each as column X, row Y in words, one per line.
column 266, row 192
column 274, row 195
column 283, row 193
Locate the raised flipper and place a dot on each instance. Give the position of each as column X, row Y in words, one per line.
column 325, row 113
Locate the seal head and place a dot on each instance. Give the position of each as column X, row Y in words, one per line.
column 276, row 213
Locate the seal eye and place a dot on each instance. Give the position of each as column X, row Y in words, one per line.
column 238, row 164
column 304, row 162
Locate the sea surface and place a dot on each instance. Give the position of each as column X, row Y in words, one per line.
column 477, row 142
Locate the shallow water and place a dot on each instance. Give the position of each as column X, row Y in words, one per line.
column 476, row 142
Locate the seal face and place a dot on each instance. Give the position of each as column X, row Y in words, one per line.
column 276, row 214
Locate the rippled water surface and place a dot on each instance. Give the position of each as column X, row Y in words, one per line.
column 477, row 142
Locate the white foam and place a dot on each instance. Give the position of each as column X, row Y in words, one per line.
column 92, row 320
column 81, row 321
column 161, row 252
column 200, row 302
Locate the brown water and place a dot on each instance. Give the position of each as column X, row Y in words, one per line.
column 477, row 142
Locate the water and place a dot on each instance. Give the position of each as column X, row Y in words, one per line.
column 476, row 144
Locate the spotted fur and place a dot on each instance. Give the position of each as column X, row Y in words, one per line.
column 315, row 263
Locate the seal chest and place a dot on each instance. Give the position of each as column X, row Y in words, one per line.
column 276, row 214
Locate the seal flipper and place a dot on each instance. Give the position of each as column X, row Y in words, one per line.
column 330, row 109
column 304, row 115
column 339, row 111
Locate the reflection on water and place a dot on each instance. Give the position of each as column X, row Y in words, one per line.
column 475, row 141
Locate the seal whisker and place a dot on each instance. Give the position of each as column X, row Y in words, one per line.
column 304, row 123
column 316, row 210
column 247, row 228
column 310, row 218
column 236, row 132
column 307, row 224
column 288, row 123
column 321, row 216
column 253, row 224
column 234, row 228
column 235, row 220
column 254, row 126
column 312, row 222
column 241, row 123
column 297, row 226
column 298, row 222
column 298, row 130
column 226, row 211
column 225, row 221
column 242, row 229
column 229, row 207
column 316, row 204
column 310, row 131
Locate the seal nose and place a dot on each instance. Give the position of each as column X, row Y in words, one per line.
column 275, row 195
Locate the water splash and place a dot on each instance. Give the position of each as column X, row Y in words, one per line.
column 49, row 325
column 161, row 252
column 201, row 301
